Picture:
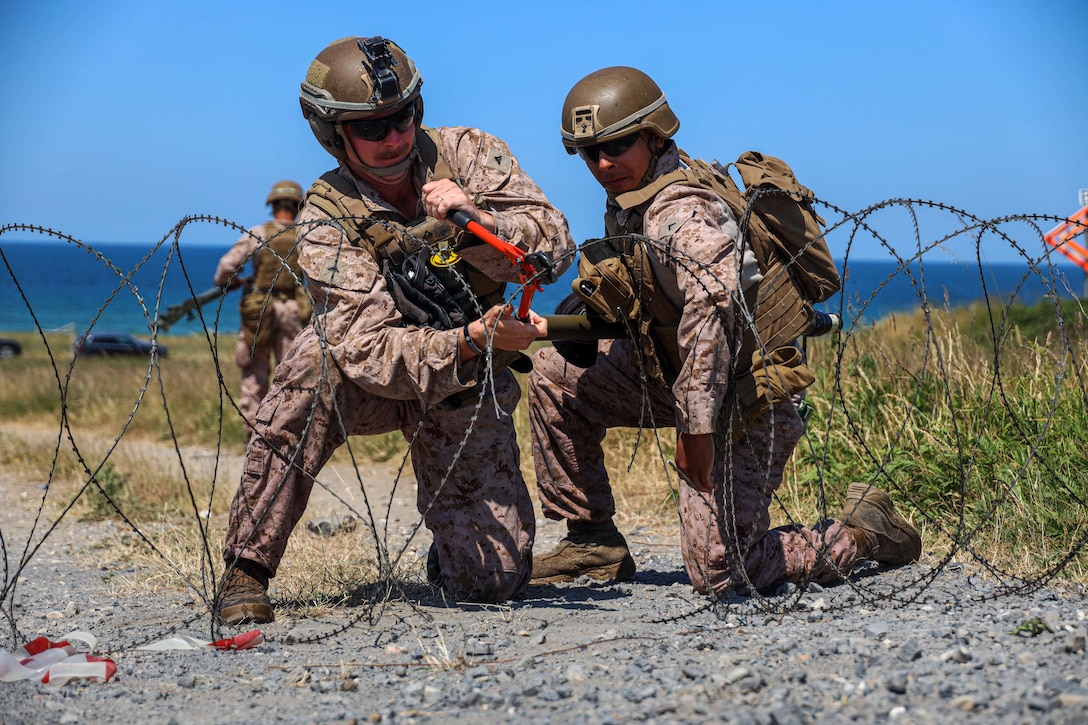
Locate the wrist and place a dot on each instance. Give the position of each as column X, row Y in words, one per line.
column 476, row 349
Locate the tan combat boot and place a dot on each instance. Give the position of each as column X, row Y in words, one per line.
column 881, row 533
column 243, row 595
column 596, row 550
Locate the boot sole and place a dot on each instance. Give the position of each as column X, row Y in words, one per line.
column 621, row 572
column 247, row 613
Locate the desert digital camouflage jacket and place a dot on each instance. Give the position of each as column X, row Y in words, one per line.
column 700, row 233
column 355, row 312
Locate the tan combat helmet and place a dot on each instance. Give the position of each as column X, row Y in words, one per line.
column 285, row 189
column 614, row 102
column 357, row 78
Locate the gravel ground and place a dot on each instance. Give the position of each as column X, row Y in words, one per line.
column 914, row 645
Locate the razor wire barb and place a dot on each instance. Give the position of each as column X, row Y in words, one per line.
column 934, row 366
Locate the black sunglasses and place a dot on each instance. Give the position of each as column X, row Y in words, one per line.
column 612, row 148
column 375, row 129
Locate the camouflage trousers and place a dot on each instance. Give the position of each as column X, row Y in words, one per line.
column 727, row 542
column 257, row 362
column 473, row 498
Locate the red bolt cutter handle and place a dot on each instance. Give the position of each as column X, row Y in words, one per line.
column 528, row 275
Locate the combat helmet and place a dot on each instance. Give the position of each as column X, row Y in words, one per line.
column 285, row 190
column 355, row 78
column 614, row 102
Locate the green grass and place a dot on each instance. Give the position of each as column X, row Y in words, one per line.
column 983, row 450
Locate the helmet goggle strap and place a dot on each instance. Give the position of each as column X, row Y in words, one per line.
column 386, row 85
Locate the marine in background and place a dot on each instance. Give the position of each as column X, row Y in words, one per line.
column 274, row 305
column 618, row 121
column 397, row 343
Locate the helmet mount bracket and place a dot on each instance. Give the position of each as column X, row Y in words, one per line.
column 584, row 121
column 385, row 81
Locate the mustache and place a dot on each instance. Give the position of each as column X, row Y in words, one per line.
column 393, row 154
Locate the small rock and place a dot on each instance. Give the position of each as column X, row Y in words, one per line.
column 575, row 673
column 897, row 682
column 1075, row 642
column 693, row 672
column 909, row 651
column 1072, row 700
column 332, row 525
column 966, row 703
column 957, row 654
column 876, row 630
column 736, row 674
column 1041, row 704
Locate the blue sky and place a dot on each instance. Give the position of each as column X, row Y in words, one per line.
column 120, row 118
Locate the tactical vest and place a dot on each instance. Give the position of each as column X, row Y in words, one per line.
column 793, row 276
column 275, row 265
column 769, row 367
column 276, row 274
column 388, row 238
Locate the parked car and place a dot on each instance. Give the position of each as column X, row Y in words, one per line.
column 114, row 343
column 10, row 348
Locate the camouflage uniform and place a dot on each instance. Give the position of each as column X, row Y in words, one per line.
column 357, row 371
column 282, row 314
column 571, row 409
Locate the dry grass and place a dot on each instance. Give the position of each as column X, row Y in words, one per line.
column 917, row 409
column 318, row 575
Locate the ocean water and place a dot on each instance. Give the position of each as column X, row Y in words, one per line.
column 55, row 284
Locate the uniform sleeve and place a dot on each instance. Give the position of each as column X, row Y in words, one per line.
column 233, row 262
column 354, row 312
column 702, row 232
column 495, row 181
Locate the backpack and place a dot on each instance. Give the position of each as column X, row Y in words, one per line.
column 778, row 224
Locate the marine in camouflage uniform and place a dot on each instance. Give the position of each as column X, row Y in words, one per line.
column 275, row 314
column 617, row 119
column 358, row 369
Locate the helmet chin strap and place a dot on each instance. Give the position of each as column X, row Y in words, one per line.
column 652, row 140
column 388, row 170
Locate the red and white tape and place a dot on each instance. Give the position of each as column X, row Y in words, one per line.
column 56, row 663
column 246, row 640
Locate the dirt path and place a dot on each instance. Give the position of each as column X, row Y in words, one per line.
column 911, row 644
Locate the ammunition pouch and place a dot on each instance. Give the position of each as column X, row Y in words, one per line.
column 623, row 282
column 255, row 309
column 773, row 378
column 305, row 304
